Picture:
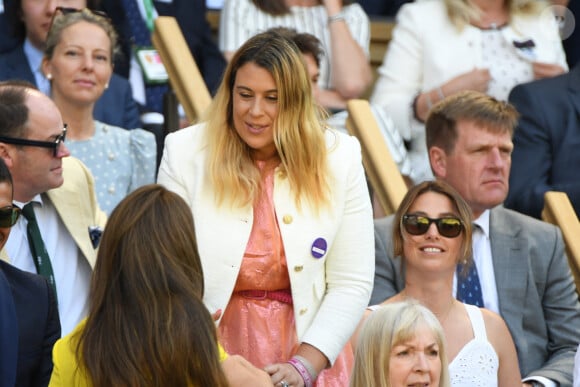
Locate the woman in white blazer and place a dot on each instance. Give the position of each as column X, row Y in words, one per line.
column 283, row 217
column 440, row 47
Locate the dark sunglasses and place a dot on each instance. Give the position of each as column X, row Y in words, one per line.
column 66, row 10
column 448, row 227
column 54, row 145
column 8, row 216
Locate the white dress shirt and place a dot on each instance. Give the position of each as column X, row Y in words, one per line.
column 34, row 57
column 484, row 263
column 72, row 273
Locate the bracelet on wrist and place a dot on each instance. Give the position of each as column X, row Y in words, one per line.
column 302, row 370
column 440, row 93
column 335, row 17
column 308, row 365
column 428, row 101
column 414, row 107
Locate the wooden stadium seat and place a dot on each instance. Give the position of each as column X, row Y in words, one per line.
column 386, row 180
column 184, row 75
column 558, row 210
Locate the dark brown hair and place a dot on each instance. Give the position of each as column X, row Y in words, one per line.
column 147, row 325
column 306, row 43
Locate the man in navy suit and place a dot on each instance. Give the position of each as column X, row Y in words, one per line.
column 191, row 17
column 546, row 156
column 31, row 20
column 29, row 322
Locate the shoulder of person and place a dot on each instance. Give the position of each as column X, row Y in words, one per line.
column 496, row 329
column 554, row 86
column 492, row 320
column 187, row 137
column 29, row 281
column 71, row 166
column 512, row 219
column 384, row 223
column 422, row 7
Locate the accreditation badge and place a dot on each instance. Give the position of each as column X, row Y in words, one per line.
column 149, row 60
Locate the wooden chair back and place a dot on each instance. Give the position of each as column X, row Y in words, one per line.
column 382, row 172
column 184, row 75
column 558, row 210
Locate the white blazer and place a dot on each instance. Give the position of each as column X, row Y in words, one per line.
column 329, row 293
column 427, row 50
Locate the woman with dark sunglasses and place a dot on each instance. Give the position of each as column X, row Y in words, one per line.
column 432, row 234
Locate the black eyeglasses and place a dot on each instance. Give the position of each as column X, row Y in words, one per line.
column 448, row 227
column 8, row 216
column 43, row 144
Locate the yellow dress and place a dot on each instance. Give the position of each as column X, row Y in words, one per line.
column 257, row 327
column 66, row 371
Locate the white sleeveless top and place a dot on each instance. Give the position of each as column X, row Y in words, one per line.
column 477, row 363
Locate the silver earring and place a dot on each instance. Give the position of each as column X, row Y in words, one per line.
column 107, row 85
column 49, row 76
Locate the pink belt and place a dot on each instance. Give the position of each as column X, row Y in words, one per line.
column 277, row 295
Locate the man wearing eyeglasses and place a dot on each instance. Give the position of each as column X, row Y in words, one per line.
column 55, row 235
column 520, row 261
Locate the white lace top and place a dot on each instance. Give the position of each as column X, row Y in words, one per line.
column 508, row 66
column 477, row 363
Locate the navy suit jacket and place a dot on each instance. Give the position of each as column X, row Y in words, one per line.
column 38, row 325
column 115, row 107
column 191, row 17
column 546, row 142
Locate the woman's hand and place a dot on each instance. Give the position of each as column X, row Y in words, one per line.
column 241, row 373
column 284, row 372
column 216, row 315
column 546, row 70
column 476, row 79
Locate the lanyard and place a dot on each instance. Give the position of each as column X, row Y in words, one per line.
column 148, row 4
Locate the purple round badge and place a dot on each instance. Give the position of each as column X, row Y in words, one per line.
column 318, row 248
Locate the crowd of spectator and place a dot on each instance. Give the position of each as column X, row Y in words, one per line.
column 242, row 249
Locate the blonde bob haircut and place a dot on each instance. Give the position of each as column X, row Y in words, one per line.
column 460, row 206
column 461, row 12
column 298, row 129
column 389, row 326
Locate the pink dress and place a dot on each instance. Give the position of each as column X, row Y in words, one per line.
column 261, row 329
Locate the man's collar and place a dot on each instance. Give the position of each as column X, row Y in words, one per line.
column 37, row 199
column 483, row 222
column 33, row 54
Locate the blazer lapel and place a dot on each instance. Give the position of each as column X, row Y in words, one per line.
column 75, row 218
column 509, row 262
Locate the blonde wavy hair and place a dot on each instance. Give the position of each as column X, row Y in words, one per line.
column 462, row 11
column 298, row 129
